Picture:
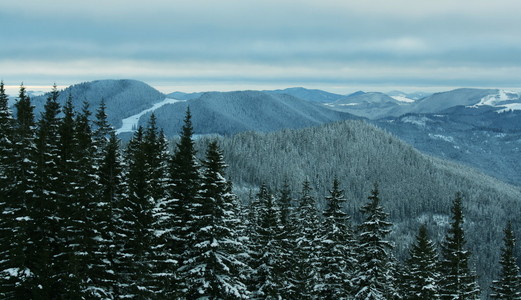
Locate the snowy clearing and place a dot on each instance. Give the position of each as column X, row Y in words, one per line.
column 402, row 99
column 498, row 100
column 130, row 124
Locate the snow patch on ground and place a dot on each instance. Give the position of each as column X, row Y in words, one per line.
column 442, row 137
column 348, row 104
column 498, row 100
column 509, row 107
column 130, row 123
column 402, row 99
column 420, row 121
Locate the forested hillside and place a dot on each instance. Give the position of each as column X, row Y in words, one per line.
column 233, row 112
column 319, row 213
column 415, row 188
column 122, row 98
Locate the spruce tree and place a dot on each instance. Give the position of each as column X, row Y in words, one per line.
column 374, row 275
column 132, row 236
column 29, row 262
column 337, row 257
column 46, row 206
column 8, row 203
column 458, row 282
column 287, row 238
column 88, row 209
column 68, row 204
column 112, row 193
column 266, row 275
column 307, row 245
column 216, row 263
column 184, row 192
column 422, row 279
column 107, row 162
column 508, row 287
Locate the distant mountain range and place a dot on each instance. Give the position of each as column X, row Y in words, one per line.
column 480, row 127
column 123, row 98
column 233, row 112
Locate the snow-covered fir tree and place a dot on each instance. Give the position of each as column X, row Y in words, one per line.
column 422, row 269
column 337, row 256
column 216, row 266
column 508, row 286
column 28, row 262
column 136, row 256
column 265, row 282
column 183, row 188
column 9, row 229
column 48, row 225
column 307, row 245
column 107, row 163
column 287, row 239
column 374, row 278
column 458, row 281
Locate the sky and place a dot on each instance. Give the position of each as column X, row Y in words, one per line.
column 199, row 45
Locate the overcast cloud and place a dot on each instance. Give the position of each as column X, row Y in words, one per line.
column 239, row 44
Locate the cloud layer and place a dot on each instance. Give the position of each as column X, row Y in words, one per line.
column 201, row 43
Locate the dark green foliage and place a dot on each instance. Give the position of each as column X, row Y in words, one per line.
column 47, row 222
column 108, row 163
column 374, row 277
column 337, row 256
column 11, row 233
column 216, row 262
column 266, row 278
column 21, row 199
column 307, row 245
column 145, row 171
column 422, row 273
column 458, row 282
column 287, row 238
column 508, row 287
column 80, row 222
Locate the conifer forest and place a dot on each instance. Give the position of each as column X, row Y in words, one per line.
column 86, row 216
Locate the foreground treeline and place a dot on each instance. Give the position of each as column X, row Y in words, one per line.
column 83, row 219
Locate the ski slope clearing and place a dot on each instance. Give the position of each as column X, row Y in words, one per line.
column 130, row 124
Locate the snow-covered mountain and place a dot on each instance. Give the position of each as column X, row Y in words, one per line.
column 479, row 127
column 372, row 105
column 485, row 137
column 123, row 98
column 313, row 95
column 376, row 105
column 232, row 112
column 408, row 97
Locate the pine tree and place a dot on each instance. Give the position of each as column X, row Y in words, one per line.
column 265, row 247
column 28, row 254
column 307, row 243
column 183, row 188
column 111, row 193
column 46, row 215
column 103, row 130
column 287, row 246
column 133, row 214
column 458, row 282
column 374, row 276
column 216, row 262
column 68, row 205
column 508, row 287
column 337, row 258
column 9, row 231
column 88, row 210
column 422, row 269
column 107, row 162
